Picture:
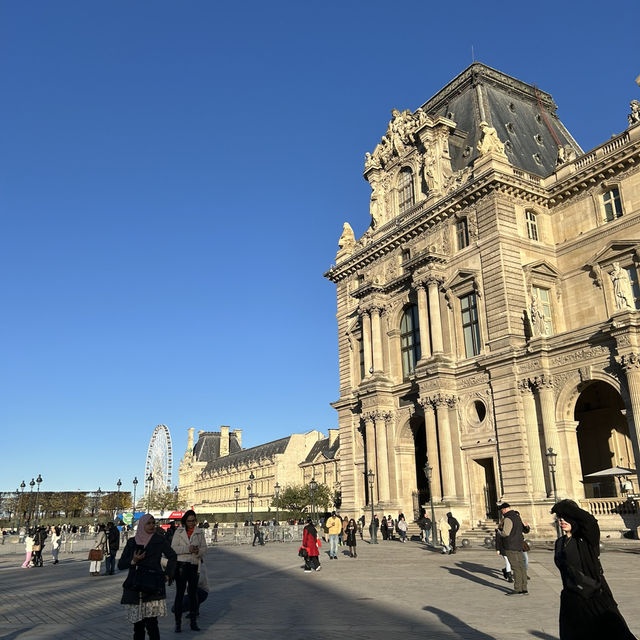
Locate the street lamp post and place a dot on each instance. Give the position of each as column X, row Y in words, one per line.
column 21, row 503
column 250, row 496
column 118, row 484
column 313, row 485
column 38, row 481
column 99, row 494
column 31, row 484
column 552, row 460
column 236, row 494
column 276, row 493
column 148, row 496
column 133, row 514
column 374, row 534
column 428, row 472
column 175, row 498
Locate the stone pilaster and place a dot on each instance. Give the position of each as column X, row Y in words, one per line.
column 536, row 465
column 432, row 446
column 631, row 365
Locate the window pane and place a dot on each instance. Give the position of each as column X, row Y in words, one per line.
column 409, row 340
column 470, row 326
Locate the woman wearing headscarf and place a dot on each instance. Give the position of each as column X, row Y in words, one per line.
column 587, row 608
column 311, row 545
column 143, row 554
column 189, row 543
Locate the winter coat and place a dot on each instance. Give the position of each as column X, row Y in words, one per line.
column 113, row 539
column 350, row 535
column 101, row 541
column 577, row 557
column 155, row 549
column 310, row 543
column 181, row 542
column 512, row 531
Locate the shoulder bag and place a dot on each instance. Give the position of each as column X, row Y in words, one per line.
column 95, row 555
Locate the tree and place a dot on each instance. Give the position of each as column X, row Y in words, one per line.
column 296, row 499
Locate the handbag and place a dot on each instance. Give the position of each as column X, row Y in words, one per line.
column 146, row 580
column 526, row 546
column 303, row 553
column 95, row 555
column 36, row 547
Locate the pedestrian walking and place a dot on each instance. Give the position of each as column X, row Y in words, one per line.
column 56, row 538
column 587, row 608
column 334, row 529
column 38, row 546
column 143, row 592
column 454, row 527
column 28, row 547
column 190, row 545
column 443, row 532
column 96, row 553
column 402, row 528
column 511, row 531
column 112, row 544
column 351, row 537
column 506, row 570
column 310, row 549
column 361, row 523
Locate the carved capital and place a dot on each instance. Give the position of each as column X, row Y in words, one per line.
column 629, row 362
column 542, row 382
column 426, row 403
column 444, row 400
column 524, row 386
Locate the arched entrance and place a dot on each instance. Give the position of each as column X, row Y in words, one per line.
column 411, row 456
column 603, row 437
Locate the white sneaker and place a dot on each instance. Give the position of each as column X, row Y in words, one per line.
column 318, row 569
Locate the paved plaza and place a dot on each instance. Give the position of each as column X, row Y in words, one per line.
column 391, row 590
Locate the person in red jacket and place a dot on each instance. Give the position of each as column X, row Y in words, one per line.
column 311, row 544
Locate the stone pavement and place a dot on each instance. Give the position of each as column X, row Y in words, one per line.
column 395, row 590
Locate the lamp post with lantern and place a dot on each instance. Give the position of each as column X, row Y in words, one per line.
column 118, row 484
column 133, row 514
column 313, row 486
column 31, row 484
column 38, row 481
column 552, row 461
column 428, row 472
column 20, row 504
column 236, row 494
column 374, row 534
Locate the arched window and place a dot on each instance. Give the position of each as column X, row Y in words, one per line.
column 406, row 198
column 410, row 340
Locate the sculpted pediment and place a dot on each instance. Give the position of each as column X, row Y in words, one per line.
column 613, row 251
column 541, row 268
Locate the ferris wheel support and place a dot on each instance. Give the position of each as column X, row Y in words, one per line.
column 159, row 465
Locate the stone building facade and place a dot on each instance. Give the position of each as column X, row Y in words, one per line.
column 213, row 467
column 489, row 312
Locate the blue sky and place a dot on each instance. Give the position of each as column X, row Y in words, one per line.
column 173, row 182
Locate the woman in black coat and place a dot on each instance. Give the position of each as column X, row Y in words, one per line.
column 143, row 554
column 587, row 608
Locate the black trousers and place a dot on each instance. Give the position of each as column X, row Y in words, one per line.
column 150, row 624
column 186, row 578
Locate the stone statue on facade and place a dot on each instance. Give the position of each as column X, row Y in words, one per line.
column 347, row 240
column 565, row 154
column 538, row 324
column 489, row 143
column 634, row 116
column 429, row 173
column 621, row 288
column 377, row 199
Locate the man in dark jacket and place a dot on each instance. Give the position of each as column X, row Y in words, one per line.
column 112, row 546
column 454, row 525
column 513, row 538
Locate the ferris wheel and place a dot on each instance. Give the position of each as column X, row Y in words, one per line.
column 159, row 466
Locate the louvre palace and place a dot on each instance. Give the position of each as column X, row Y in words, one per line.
column 489, row 315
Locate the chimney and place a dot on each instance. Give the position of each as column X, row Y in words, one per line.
column 333, row 434
column 238, row 434
column 224, row 441
column 190, row 440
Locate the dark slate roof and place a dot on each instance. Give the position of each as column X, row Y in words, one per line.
column 520, row 113
column 208, row 446
column 247, row 456
column 322, row 448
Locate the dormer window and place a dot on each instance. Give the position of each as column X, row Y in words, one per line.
column 406, row 196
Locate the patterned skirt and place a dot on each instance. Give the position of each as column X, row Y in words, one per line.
column 151, row 609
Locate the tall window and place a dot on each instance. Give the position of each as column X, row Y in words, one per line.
column 612, row 204
column 470, row 326
column 361, row 355
column 405, row 190
column 532, row 225
column 543, row 301
column 462, row 233
column 410, row 340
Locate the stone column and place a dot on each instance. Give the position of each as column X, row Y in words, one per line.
column 366, row 338
column 423, row 319
column 382, row 460
column 536, row 464
column 441, row 402
column 544, row 385
column 434, row 315
column 370, row 435
column 376, row 339
column 631, row 365
column 432, row 447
